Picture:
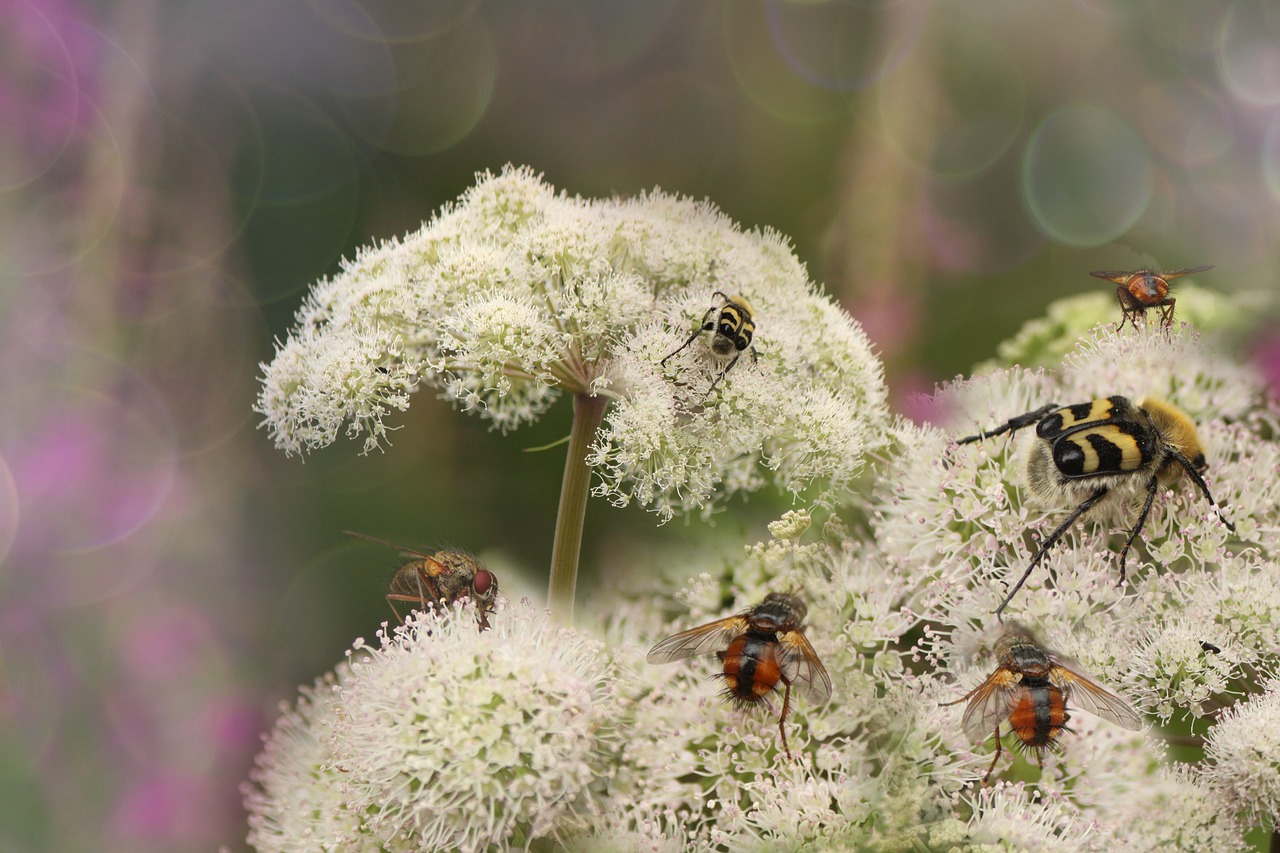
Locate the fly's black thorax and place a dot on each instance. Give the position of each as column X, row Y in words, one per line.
column 778, row 612
column 1030, row 660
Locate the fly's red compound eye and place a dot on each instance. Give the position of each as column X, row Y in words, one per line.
column 482, row 582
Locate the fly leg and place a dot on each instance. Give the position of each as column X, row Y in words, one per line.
column 994, row 759
column 426, row 587
column 782, row 721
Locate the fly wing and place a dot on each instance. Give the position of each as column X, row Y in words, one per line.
column 1187, row 271
column 405, row 552
column 990, row 703
column 801, row 668
column 703, row 640
column 1118, row 276
column 1094, row 698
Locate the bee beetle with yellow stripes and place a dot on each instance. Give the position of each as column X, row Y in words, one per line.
column 1084, row 452
column 734, row 327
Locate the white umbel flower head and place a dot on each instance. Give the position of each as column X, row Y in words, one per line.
column 463, row 739
column 294, row 797
column 516, row 294
column 1017, row 818
column 444, row 737
column 1244, row 753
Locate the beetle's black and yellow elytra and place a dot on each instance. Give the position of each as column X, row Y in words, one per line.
column 733, row 327
column 1090, row 441
column 1087, row 451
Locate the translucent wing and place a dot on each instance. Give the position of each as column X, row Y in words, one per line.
column 703, row 640
column 1118, row 276
column 990, row 703
column 1094, row 698
column 406, row 552
column 1187, row 271
column 800, row 666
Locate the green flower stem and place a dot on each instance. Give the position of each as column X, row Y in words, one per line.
column 588, row 412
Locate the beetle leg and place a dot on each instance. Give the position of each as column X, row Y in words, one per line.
column 1052, row 540
column 716, row 381
column 1204, row 488
column 1137, row 528
column 1012, row 425
column 707, row 325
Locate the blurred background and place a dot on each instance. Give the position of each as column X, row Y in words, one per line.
column 173, row 176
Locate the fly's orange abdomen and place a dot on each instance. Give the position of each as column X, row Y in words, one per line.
column 1023, row 719
column 750, row 667
column 735, row 684
column 767, row 671
column 1148, row 287
column 1039, row 716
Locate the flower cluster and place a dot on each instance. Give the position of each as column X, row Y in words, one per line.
column 1193, row 631
column 516, row 294
column 442, row 737
column 295, row 797
column 446, row 738
column 1244, row 750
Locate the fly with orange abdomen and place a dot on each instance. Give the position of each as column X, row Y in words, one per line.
column 759, row 648
column 1141, row 289
column 1031, row 689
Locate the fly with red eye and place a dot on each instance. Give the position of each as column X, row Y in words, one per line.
column 441, row 579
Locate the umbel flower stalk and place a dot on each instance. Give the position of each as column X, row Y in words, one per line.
column 588, row 412
column 515, row 295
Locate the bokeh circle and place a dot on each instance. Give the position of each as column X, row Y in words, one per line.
column 1086, row 176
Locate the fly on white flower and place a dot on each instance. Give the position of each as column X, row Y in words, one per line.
column 439, row 579
column 1031, row 688
column 759, row 647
